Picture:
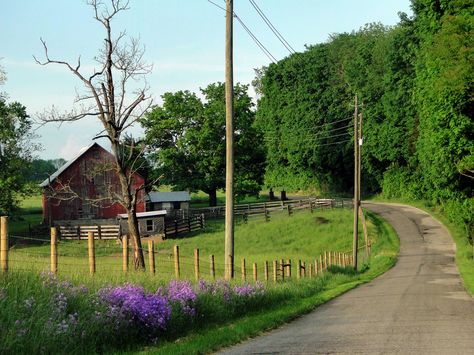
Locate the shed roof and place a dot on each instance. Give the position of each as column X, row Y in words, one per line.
column 145, row 214
column 58, row 172
column 173, row 196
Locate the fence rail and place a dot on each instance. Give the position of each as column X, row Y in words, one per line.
column 264, row 208
column 82, row 232
column 176, row 227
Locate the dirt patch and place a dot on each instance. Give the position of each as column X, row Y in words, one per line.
column 321, row 220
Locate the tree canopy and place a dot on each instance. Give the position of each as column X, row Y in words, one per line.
column 188, row 136
column 415, row 84
column 16, row 152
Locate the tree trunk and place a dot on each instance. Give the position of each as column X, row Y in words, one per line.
column 213, row 198
column 130, row 205
column 283, row 195
column 271, row 195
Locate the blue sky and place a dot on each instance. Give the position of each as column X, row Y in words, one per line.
column 184, row 40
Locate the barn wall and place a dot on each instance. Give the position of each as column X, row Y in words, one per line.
column 90, row 177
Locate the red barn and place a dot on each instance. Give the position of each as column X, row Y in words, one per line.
column 82, row 188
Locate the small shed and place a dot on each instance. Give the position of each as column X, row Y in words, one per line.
column 169, row 201
column 149, row 223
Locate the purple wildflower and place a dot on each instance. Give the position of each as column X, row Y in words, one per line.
column 151, row 310
column 181, row 292
column 247, row 290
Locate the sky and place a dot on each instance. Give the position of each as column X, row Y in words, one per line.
column 183, row 39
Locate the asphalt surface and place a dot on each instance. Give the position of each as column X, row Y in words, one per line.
column 417, row 307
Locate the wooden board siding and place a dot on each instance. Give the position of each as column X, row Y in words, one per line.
column 90, row 177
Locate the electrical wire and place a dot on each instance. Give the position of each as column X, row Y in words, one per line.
column 249, row 32
column 272, row 27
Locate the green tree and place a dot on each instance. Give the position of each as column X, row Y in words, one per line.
column 16, row 151
column 189, row 137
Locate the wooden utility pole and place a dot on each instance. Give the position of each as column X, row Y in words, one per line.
column 355, row 242
column 229, row 134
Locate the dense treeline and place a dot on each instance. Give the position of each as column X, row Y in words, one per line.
column 414, row 82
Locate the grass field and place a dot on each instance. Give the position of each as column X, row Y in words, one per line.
column 303, row 235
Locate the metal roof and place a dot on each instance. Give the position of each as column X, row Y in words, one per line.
column 58, row 172
column 173, row 196
column 145, row 214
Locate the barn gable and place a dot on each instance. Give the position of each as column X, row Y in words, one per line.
column 82, row 187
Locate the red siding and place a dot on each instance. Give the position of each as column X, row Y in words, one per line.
column 90, row 177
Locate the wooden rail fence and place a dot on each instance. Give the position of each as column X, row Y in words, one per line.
column 246, row 211
column 176, row 227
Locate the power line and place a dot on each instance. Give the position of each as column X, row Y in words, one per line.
column 272, row 27
column 254, row 38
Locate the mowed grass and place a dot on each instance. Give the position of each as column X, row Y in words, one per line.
column 302, row 236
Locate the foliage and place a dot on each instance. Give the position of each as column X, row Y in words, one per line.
column 415, row 85
column 189, row 137
column 16, row 152
column 41, row 169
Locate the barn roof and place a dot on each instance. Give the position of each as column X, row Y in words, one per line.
column 144, row 214
column 173, row 196
column 58, row 172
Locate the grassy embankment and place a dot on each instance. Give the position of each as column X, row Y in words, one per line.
column 464, row 249
column 301, row 236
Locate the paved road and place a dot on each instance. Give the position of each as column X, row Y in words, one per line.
column 417, row 307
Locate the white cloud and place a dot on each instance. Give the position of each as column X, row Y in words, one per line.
column 71, row 147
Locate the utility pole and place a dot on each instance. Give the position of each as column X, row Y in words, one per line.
column 355, row 242
column 229, row 134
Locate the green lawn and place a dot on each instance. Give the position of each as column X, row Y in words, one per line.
column 303, row 235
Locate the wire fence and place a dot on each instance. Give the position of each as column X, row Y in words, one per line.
column 105, row 257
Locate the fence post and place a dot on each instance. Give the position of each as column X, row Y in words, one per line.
column 54, row 251
column 78, row 232
column 151, row 256
column 196, row 264
column 213, row 267
column 244, row 271
column 176, row 262
column 321, row 263
column 298, row 275
column 255, row 272
column 90, row 244
column 311, row 206
column 125, row 253
column 275, row 270
column 288, row 270
column 4, row 243
column 99, row 232
column 316, row 269
column 325, row 260
column 282, row 269
column 266, row 271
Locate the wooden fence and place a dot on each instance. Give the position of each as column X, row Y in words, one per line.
column 264, row 209
column 176, row 227
column 110, row 231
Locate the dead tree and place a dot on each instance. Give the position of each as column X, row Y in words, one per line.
column 106, row 97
